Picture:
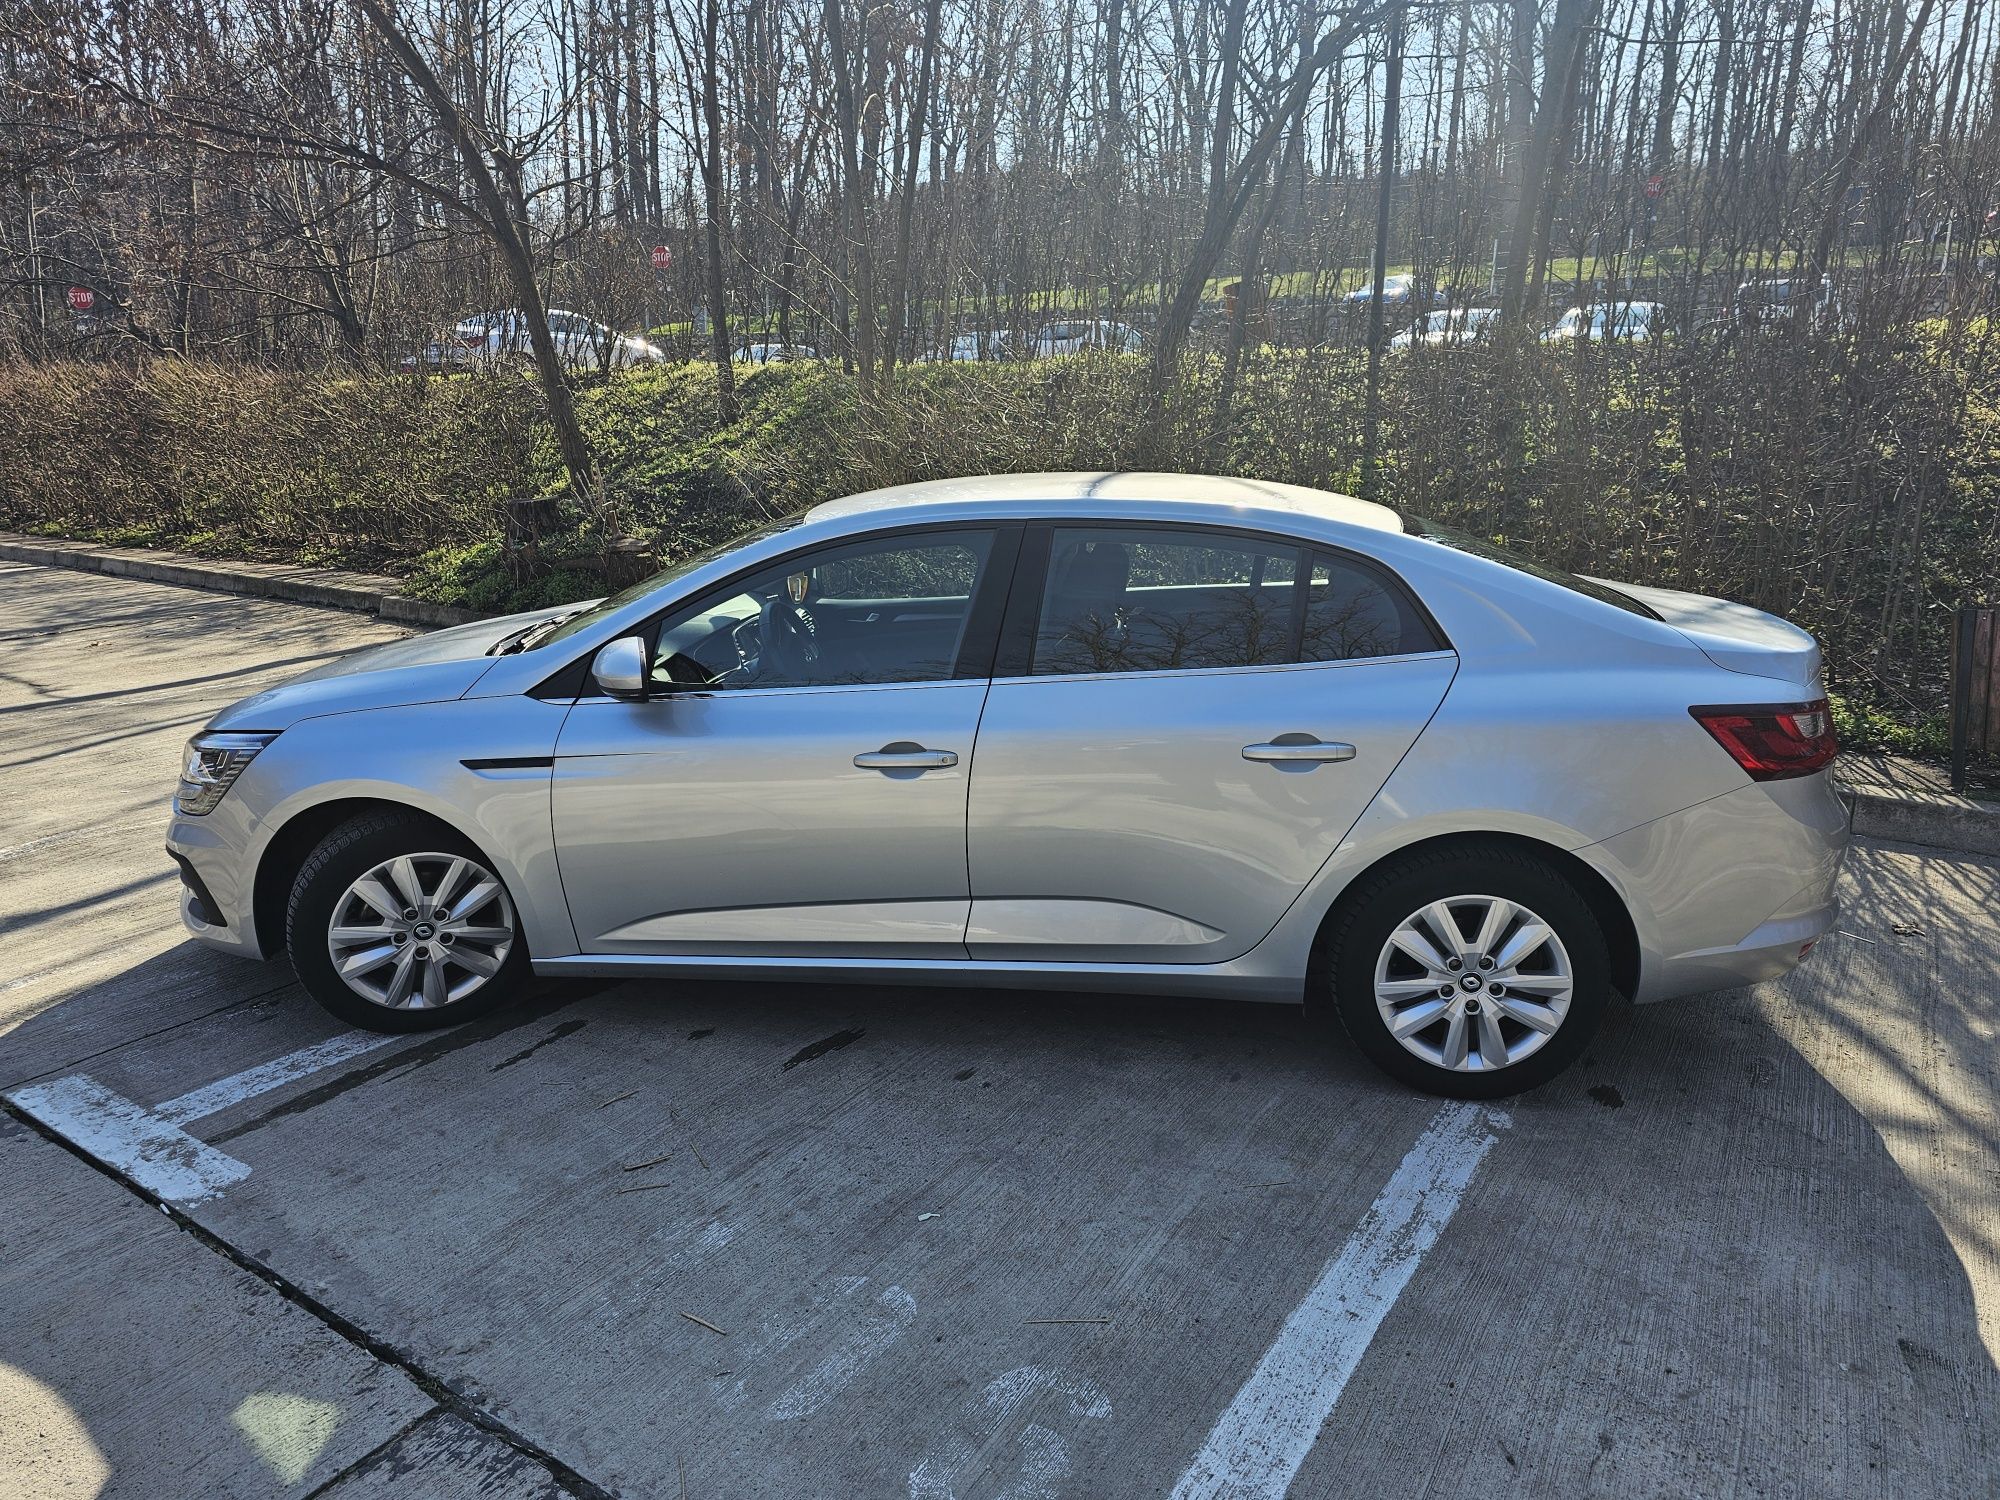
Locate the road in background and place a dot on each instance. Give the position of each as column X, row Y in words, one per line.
column 822, row 1240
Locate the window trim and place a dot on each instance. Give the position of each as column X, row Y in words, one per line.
column 1014, row 661
column 975, row 648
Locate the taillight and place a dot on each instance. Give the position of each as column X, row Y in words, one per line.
column 1772, row 741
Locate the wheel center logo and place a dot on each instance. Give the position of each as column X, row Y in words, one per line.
column 424, row 930
column 1469, row 983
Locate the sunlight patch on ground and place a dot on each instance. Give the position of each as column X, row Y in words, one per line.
column 287, row 1432
column 44, row 1440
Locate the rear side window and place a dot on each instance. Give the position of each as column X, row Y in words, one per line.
column 1352, row 611
column 1128, row 599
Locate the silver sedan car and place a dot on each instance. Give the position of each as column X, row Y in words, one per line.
column 1144, row 732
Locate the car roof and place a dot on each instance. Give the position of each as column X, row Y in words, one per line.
column 943, row 496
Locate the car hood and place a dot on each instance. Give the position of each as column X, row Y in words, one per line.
column 1734, row 636
column 432, row 668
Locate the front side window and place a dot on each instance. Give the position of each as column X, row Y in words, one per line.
column 884, row 611
column 1120, row 599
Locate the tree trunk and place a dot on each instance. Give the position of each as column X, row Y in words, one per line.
column 1392, row 103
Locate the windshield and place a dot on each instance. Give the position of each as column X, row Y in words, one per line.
column 584, row 618
column 1465, row 541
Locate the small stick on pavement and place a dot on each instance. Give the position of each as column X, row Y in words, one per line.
column 644, row 1187
column 640, row 1166
column 1069, row 1320
column 609, row 1102
column 704, row 1323
column 689, row 1136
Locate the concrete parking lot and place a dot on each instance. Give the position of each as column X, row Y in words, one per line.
column 660, row 1239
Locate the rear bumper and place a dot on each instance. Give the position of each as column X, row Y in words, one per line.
column 1773, row 949
column 1733, row 890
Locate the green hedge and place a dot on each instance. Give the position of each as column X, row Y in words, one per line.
column 1853, row 485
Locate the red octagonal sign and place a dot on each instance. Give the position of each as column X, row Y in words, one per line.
column 81, row 299
column 662, row 257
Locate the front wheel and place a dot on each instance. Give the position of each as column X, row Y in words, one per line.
column 1468, row 973
column 397, row 924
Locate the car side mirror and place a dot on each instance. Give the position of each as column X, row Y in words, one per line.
column 620, row 669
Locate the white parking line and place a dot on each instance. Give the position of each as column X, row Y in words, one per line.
column 1257, row 1445
column 214, row 1098
column 160, row 1157
column 149, row 1146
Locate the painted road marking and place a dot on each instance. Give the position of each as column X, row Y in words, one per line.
column 989, row 1445
column 1257, row 1445
column 162, row 1158
column 895, row 1311
column 148, row 1146
column 214, row 1098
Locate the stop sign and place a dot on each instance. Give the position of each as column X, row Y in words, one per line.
column 662, row 257
column 81, row 299
column 1655, row 185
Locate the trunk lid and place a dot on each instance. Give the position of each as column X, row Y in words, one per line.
column 1735, row 636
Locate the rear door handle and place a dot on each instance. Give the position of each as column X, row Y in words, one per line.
column 904, row 756
column 1294, row 748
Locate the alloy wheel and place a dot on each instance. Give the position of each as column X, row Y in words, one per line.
column 421, row 931
column 1473, row 983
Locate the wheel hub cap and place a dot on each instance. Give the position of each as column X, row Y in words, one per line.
column 1438, row 1008
column 389, row 953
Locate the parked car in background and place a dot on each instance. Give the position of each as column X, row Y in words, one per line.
column 765, row 352
column 966, row 348
column 1780, row 299
column 1074, row 338
column 1149, row 732
column 1449, row 326
column 498, row 339
column 1636, row 322
column 1400, row 290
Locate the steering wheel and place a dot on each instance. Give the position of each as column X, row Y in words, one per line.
column 785, row 636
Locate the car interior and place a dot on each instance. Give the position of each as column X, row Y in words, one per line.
column 1116, row 599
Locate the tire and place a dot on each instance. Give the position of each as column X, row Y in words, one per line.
column 1475, row 884
column 424, row 972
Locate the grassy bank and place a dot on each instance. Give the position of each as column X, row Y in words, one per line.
column 1853, row 486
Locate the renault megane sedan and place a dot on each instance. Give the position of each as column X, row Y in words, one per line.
column 1145, row 732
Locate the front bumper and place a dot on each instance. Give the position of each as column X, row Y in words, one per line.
column 217, row 890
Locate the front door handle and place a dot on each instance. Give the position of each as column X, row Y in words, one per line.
column 905, row 756
column 1291, row 749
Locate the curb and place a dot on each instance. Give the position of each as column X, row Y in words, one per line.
column 1937, row 820
column 369, row 593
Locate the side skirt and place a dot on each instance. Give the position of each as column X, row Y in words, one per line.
column 1220, row 981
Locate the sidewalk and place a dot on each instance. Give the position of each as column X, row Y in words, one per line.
column 1889, row 797
column 372, row 593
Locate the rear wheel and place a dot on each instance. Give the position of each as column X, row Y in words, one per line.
column 397, row 924
column 1470, row 972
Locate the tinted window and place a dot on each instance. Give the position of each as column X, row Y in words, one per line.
column 1120, row 599
column 1353, row 611
column 885, row 611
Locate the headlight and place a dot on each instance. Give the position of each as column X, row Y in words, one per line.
column 210, row 765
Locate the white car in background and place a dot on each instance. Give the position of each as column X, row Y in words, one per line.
column 1633, row 322
column 1450, row 326
column 495, row 339
column 1074, row 338
column 1400, row 290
